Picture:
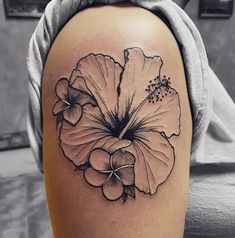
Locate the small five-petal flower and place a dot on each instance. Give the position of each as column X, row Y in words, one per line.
column 111, row 172
column 70, row 101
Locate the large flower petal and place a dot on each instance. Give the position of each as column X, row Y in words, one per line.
column 62, row 88
column 112, row 190
column 73, row 114
column 99, row 76
column 115, row 144
column 154, row 161
column 100, row 159
column 138, row 72
column 157, row 109
column 78, row 141
column 95, row 178
column 162, row 116
column 59, row 106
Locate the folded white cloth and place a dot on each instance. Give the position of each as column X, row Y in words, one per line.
column 212, row 109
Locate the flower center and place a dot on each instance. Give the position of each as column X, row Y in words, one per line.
column 118, row 125
column 115, row 173
column 129, row 134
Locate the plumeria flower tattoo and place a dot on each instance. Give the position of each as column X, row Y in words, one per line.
column 111, row 172
column 70, row 101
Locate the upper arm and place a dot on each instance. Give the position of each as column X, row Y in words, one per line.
column 117, row 127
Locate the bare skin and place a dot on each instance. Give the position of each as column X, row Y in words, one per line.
column 77, row 208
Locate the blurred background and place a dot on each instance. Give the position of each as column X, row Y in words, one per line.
column 23, row 212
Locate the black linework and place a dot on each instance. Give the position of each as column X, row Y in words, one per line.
column 105, row 143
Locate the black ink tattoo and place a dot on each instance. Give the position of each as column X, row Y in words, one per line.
column 115, row 122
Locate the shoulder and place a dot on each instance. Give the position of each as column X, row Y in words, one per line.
column 114, row 87
column 109, row 30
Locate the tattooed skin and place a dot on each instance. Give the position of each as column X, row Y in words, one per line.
column 112, row 129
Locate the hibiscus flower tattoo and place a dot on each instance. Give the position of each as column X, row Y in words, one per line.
column 115, row 122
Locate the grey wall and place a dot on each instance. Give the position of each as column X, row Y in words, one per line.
column 219, row 39
column 14, row 38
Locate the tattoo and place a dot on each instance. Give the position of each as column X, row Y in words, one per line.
column 115, row 122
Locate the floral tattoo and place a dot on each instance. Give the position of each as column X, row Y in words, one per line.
column 115, row 122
